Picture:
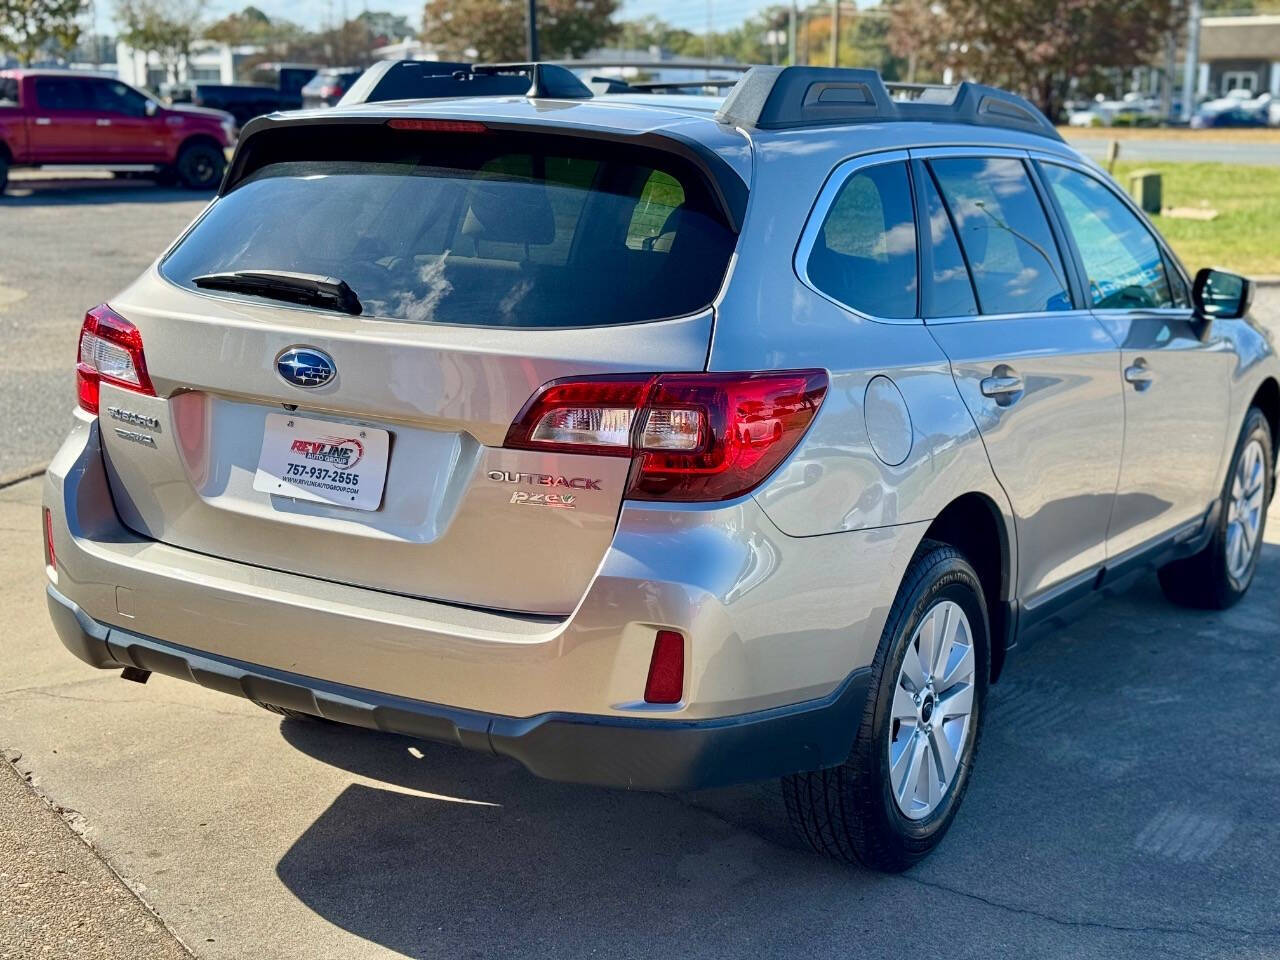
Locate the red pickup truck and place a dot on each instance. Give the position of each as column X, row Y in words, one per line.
column 59, row 117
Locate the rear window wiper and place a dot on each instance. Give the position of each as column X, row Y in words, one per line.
column 305, row 288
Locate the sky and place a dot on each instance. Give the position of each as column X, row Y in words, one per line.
column 687, row 14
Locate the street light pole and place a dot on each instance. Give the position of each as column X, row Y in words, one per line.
column 835, row 33
column 791, row 35
column 1192, row 66
column 533, row 31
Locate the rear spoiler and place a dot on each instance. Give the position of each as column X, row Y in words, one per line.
column 267, row 138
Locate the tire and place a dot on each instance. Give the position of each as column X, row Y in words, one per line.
column 1217, row 577
column 292, row 714
column 4, row 172
column 200, row 166
column 851, row 812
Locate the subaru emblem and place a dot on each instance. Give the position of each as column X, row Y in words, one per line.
column 306, row 367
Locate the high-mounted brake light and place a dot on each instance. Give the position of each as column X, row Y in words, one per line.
column 110, row 352
column 437, row 126
column 694, row 436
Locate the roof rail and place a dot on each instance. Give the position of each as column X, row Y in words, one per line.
column 545, row 79
column 782, row 98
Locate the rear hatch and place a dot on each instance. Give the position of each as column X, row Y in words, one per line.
column 292, row 432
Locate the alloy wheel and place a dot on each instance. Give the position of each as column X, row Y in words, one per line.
column 932, row 711
column 1244, row 512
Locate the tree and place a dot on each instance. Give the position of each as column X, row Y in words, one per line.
column 495, row 29
column 165, row 27
column 31, row 27
column 1038, row 47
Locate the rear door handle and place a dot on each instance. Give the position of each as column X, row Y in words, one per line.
column 104, row 122
column 1004, row 386
column 43, row 121
column 1139, row 374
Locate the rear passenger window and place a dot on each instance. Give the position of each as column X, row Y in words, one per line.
column 864, row 255
column 1014, row 260
column 950, row 294
column 61, row 93
column 1123, row 267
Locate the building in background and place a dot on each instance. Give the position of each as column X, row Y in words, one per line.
column 1239, row 53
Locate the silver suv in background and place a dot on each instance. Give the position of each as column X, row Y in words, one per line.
column 659, row 442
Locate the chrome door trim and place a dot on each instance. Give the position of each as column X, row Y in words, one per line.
column 836, row 180
column 986, row 317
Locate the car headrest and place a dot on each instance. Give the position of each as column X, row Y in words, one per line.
column 509, row 211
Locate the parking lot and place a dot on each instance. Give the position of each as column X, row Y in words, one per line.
column 1126, row 800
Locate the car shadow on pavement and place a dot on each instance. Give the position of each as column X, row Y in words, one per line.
column 71, row 192
column 1084, row 813
column 459, row 853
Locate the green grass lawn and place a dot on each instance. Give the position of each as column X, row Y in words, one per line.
column 1245, row 237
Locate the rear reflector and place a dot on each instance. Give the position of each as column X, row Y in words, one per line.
column 111, row 352
column 437, row 126
column 50, row 557
column 666, row 669
column 695, row 436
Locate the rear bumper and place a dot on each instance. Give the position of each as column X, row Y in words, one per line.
column 777, row 630
column 629, row 752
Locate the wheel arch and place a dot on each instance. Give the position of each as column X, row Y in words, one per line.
column 1267, row 399
column 974, row 524
column 207, row 139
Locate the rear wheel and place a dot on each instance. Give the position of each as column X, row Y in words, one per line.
column 1220, row 574
column 894, row 798
column 4, row 172
column 200, row 166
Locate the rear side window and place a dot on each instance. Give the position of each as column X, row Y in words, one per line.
column 1007, row 241
column 864, row 255
column 1123, row 266
column 61, row 93
column 8, row 91
column 475, row 229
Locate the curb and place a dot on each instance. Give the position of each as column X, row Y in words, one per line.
column 26, row 473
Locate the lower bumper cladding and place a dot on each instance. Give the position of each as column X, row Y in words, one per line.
column 627, row 752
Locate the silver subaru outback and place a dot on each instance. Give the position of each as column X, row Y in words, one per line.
column 659, row 442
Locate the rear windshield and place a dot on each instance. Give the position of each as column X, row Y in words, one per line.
column 476, row 229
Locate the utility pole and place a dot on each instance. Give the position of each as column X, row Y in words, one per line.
column 835, row 33
column 1192, row 66
column 791, row 35
column 533, row 31
column 710, row 19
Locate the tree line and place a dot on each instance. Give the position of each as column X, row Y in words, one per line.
column 1036, row 47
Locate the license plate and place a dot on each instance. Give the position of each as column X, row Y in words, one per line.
column 323, row 461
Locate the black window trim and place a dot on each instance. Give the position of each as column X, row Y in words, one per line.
column 836, row 179
column 1169, row 258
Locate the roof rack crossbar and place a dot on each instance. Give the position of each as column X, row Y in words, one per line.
column 781, row 98
column 545, row 79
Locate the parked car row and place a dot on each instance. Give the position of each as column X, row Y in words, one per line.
column 52, row 117
column 1239, row 108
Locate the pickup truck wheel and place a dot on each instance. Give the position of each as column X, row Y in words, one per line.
column 891, row 802
column 1220, row 574
column 4, row 172
column 200, row 166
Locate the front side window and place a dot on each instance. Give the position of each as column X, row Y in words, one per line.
column 111, row 96
column 1124, row 269
column 864, row 255
column 1006, row 237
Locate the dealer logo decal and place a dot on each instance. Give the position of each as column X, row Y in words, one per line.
column 343, row 452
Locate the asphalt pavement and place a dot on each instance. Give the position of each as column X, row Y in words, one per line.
column 1183, row 150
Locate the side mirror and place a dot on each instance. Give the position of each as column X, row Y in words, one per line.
column 151, row 108
column 1218, row 294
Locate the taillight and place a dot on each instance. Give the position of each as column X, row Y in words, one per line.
column 694, row 436
column 665, row 683
column 110, row 352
